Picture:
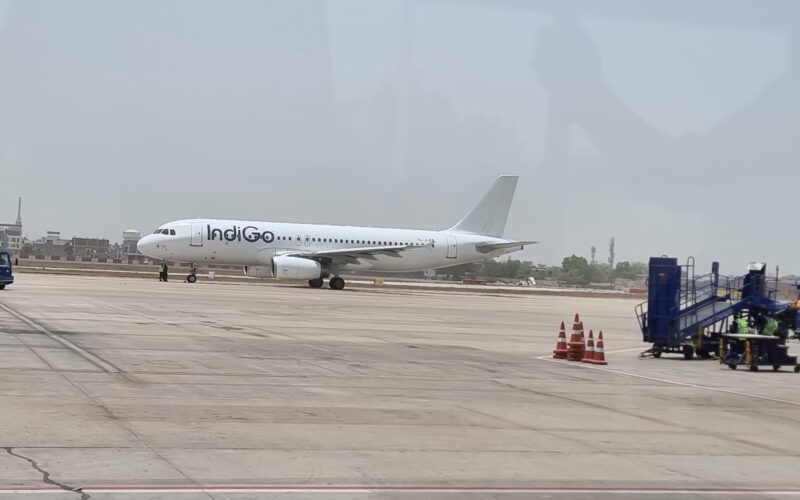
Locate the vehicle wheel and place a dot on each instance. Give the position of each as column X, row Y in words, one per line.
column 776, row 367
column 336, row 283
column 2, row 286
column 753, row 368
column 688, row 352
column 732, row 366
column 656, row 352
column 317, row 283
column 191, row 278
column 797, row 368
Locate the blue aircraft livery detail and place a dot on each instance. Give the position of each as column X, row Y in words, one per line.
column 250, row 234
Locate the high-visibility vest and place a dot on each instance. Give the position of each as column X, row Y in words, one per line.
column 162, row 267
column 742, row 325
column 771, row 327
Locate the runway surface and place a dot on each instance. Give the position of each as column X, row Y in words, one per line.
column 125, row 388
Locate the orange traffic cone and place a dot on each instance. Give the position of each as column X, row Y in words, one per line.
column 576, row 347
column 589, row 356
column 599, row 351
column 560, row 352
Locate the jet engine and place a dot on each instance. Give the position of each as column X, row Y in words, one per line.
column 288, row 267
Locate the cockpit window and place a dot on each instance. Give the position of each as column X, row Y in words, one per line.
column 172, row 232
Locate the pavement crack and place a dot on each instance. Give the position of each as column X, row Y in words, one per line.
column 46, row 475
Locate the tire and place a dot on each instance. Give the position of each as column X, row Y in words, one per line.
column 317, row 283
column 191, row 278
column 688, row 352
column 732, row 366
column 2, row 286
column 336, row 283
column 797, row 368
column 753, row 368
column 776, row 367
column 656, row 353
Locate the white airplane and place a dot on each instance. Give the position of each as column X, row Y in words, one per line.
column 313, row 251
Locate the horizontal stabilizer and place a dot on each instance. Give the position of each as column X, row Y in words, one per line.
column 491, row 247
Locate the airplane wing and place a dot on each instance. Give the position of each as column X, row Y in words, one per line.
column 491, row 247
column 351, row 255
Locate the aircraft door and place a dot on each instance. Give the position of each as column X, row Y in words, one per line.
column 298, row 241
column 307, row 240
column 452, row 247
column 197, row 235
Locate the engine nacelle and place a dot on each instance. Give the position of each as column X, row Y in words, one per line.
column 288, row 267
column 258, row 271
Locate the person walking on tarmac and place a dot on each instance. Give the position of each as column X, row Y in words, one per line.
column 162, row 271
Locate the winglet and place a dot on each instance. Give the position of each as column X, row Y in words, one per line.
column 489, row 216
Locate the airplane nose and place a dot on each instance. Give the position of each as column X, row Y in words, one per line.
column 146, row 246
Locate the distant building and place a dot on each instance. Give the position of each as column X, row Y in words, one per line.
column 90, row 247
column 52, row 245
column 130, row 237
column 11, row 234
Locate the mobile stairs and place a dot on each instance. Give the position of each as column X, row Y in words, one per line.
column 682, row 307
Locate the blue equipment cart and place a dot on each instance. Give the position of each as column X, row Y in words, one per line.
column 6, row 270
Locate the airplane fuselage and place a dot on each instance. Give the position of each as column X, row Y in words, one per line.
column 255, row 243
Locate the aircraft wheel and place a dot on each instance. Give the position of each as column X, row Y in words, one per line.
column 191, row 278
column 336, row 283
column 317, row 283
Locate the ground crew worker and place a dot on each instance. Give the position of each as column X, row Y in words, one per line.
column 770, row 326
column 770, row 329
column 741, row 325
column 162, row 271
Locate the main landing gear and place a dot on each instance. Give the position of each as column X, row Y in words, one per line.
column 336, row 283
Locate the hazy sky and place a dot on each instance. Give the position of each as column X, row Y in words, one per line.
column 670, row 125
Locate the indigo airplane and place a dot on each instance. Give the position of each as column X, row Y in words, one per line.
column 314, row 252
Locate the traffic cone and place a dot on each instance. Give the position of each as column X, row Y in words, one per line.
column 599, row 351
column 589, row 356
column 560, row 352
column 576, row 347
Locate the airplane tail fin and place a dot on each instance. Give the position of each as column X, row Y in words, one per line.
column 490, row 214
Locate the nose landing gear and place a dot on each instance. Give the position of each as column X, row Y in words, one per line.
column 192, row 277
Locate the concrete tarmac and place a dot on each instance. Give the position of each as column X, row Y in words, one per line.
column 114, row 388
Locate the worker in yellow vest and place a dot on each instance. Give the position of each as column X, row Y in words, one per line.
column 770, row 326
column 741, row 324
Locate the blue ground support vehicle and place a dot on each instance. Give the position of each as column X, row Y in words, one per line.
column 6, row 270
column 690, row 314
